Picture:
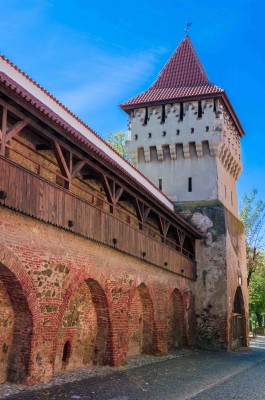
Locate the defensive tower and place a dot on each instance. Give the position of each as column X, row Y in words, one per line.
column 185, row 137
column 184, row 133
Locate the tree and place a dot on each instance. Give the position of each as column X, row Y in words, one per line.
column 117, row 141
column 252, row 214
column 257, row 291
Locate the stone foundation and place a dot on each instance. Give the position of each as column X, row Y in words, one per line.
column 221, row 269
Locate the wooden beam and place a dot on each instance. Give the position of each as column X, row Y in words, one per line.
column 142, row 211
column 61, row 160
column 107, row 188
column 3, row 129
column 181, row 236
column 118, row 193
column 163, row 225
column 112, row 189
column 77, row 168
column 15, row 129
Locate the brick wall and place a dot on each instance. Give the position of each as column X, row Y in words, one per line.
column 71, row 302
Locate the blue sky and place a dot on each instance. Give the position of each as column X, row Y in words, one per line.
column 94, row 56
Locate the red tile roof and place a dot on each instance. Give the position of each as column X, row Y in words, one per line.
column 182, row 77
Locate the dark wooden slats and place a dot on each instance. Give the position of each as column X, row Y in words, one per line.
column 67, row 147
column 32, row 195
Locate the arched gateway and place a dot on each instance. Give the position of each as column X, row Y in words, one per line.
column 141, row 323
column 84, row 336
column 238, row 320
column 16, row 328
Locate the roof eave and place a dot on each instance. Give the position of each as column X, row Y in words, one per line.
column 128, row 107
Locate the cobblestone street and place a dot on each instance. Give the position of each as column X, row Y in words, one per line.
column 198, row 375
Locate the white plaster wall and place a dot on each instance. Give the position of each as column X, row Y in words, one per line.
column 175, row 174
column 171, row 125
column 227, row 189
column 207, row 149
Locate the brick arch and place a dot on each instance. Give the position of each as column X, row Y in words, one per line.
column 238, row 305
column 239, row 320
column 101, row 349
column 21, row 295
column 103, row 346
column 176, row 320
column 142, row 328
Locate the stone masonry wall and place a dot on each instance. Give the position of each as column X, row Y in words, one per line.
column 70, row 302
column 220, row 262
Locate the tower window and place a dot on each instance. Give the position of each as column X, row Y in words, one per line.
column 181, row 111
column 199, row 109
column 192, row 130
column 177, row 132
column 207, row 128
column 149, row 134
column 160, row 184
column 163, row 114
column 146, row 116
column 190, row 184
column 164, row 133
column 215, row 105
column 135, row 137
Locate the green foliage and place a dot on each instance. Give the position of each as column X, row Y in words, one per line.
column 252, row 215
column 257, row 291
column 117, row 141
column 257, row 288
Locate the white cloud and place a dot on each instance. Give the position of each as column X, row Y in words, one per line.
column 110, row 77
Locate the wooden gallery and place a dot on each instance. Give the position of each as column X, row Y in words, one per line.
column 98, row 264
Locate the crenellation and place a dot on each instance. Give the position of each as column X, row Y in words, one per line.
column 173, row 153
column 186, row 150
column 147, row 155
column 199, row 150
column 159, row 150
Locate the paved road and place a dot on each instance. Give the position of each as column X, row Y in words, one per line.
column 194, row 375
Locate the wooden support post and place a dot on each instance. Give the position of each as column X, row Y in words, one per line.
column 77, row 168
column 142, row 211
column 181, row 237
column 3, row 130
column 15, row 129
column 113, row 191
column 163, row 225
column 64, row 168
column 8, row 134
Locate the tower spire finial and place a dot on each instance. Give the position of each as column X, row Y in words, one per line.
column 188, row 25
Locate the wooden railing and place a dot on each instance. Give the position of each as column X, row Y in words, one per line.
column 34, row 196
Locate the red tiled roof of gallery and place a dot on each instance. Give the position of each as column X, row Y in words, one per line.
column 183, row 76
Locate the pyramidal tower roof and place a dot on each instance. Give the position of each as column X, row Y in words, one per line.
column 182, row 77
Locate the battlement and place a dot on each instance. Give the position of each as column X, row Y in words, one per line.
column 187, row 130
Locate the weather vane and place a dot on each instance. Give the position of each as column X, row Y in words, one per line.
column 188, row 25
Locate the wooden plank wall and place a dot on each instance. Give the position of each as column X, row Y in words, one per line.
column 33, row 196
